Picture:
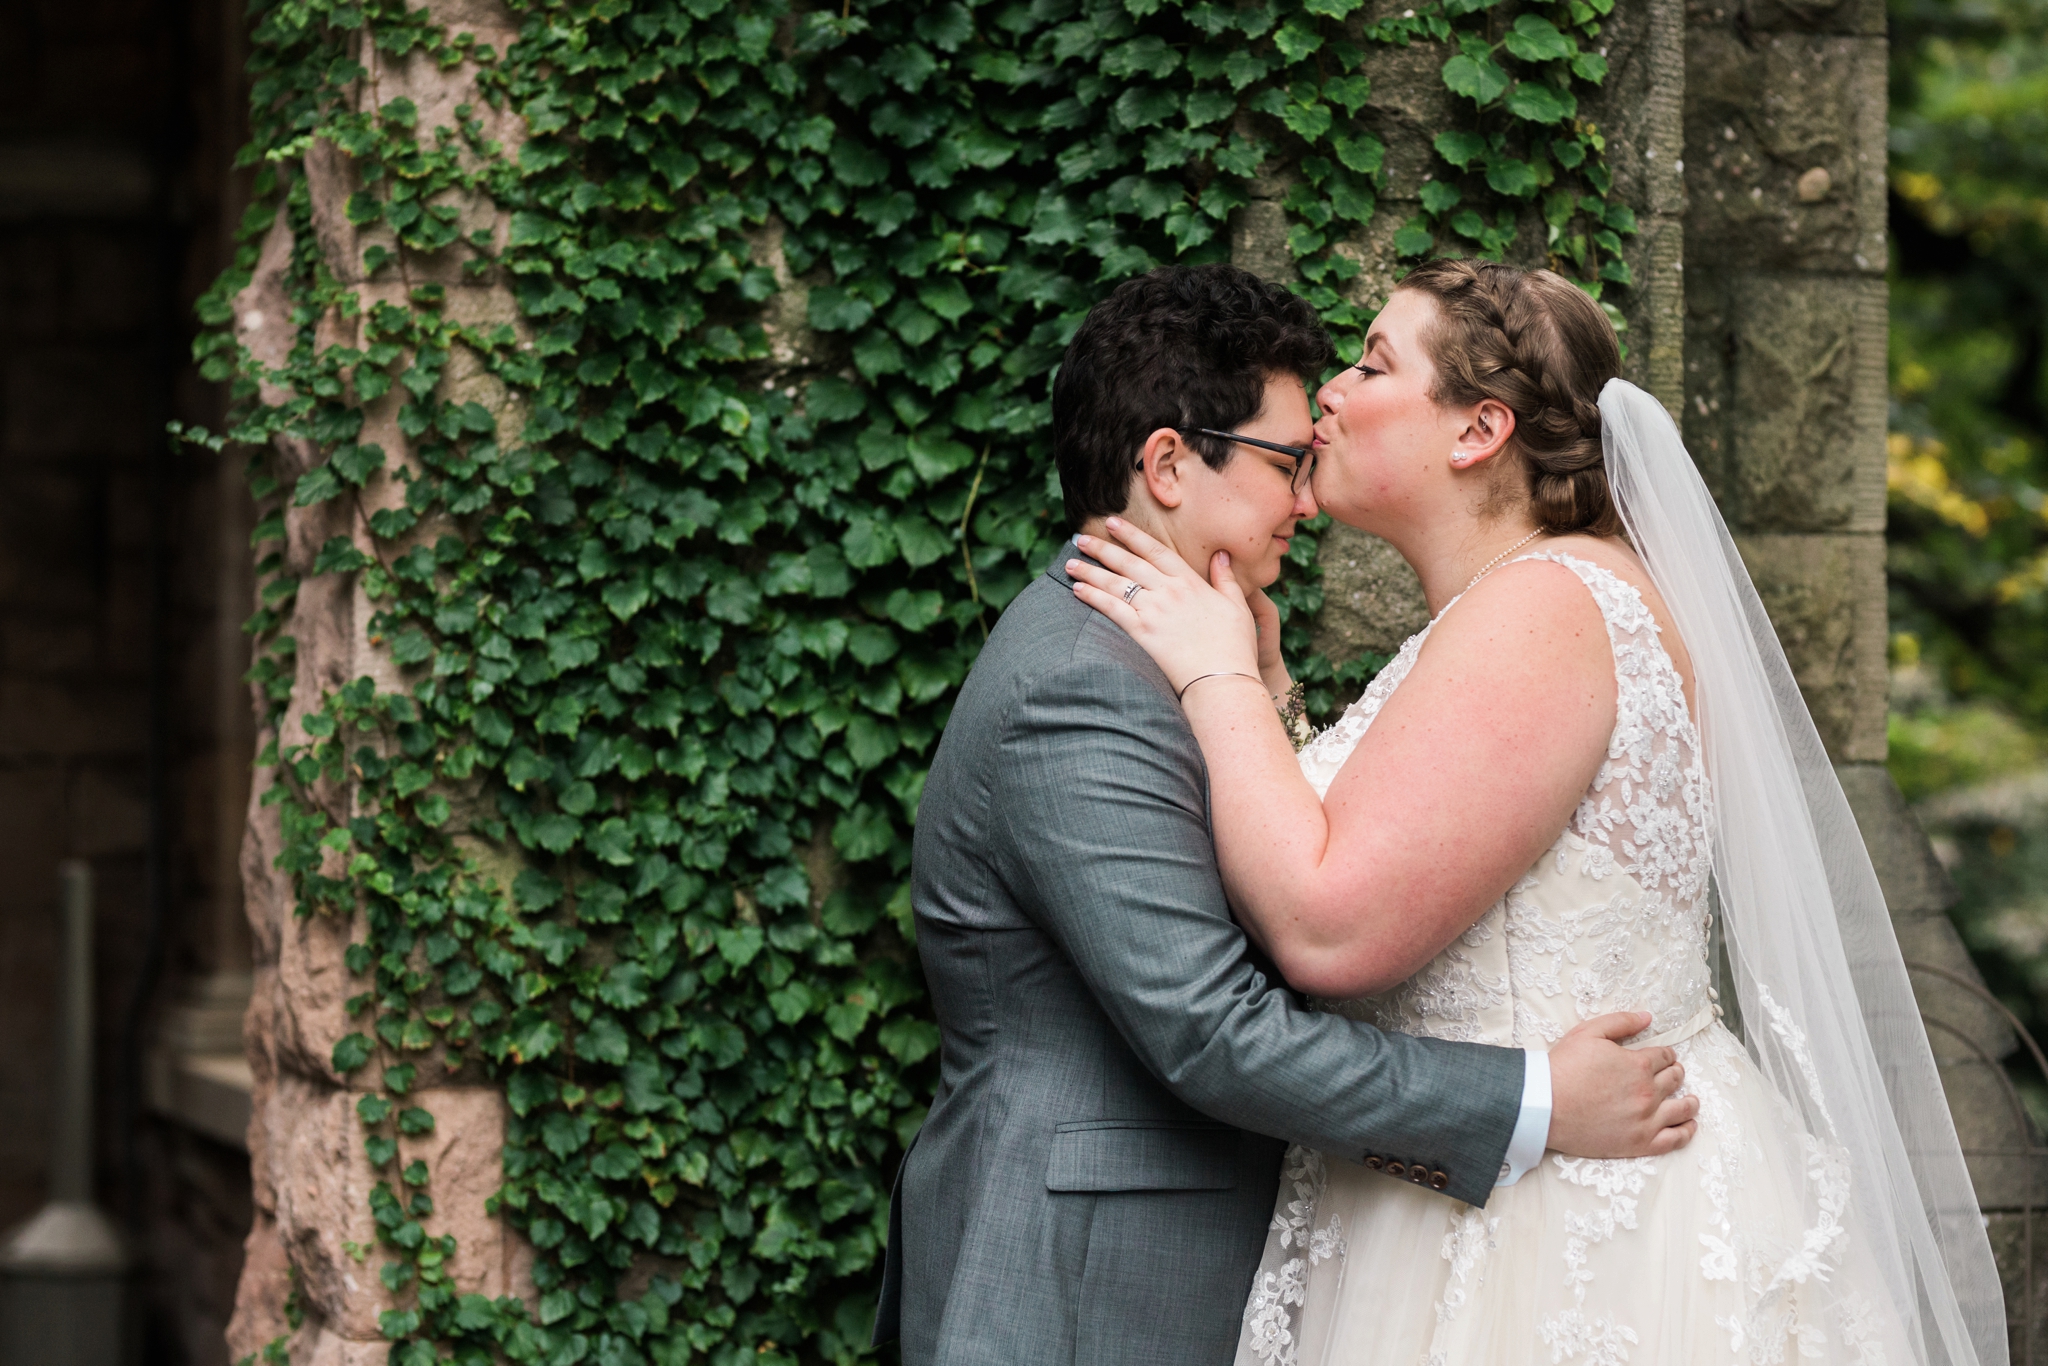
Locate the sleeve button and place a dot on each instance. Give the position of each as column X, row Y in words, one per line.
column 1437, row 1181
column 1374, row 1161
column 1395, row 1168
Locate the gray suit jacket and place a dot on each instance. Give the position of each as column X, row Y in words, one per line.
column 1119, row 1076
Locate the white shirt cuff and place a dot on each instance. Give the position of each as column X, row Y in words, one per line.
column 1532, row 1126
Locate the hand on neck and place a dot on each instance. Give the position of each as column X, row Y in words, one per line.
column 1148, row 519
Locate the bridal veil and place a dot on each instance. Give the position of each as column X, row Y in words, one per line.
column 1827, row 1010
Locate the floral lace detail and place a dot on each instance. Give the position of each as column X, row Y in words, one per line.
column 1860, row 1330
column 1711, row 1069
column 1573, row 1334
column 1773, row 1275
column 1269, row 1331
column 1465, row 1248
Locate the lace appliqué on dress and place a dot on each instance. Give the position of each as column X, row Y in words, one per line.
column 1268, row 1323
column 1572, row 1334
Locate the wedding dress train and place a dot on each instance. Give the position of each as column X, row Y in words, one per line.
column 1739, row 1248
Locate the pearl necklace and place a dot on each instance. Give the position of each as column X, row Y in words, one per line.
column 1489, row 566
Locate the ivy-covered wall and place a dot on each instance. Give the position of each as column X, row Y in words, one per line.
column 646, row 407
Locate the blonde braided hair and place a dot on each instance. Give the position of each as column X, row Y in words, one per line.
column 1533, row 341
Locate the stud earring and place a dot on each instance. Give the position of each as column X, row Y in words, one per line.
column 1460, row 459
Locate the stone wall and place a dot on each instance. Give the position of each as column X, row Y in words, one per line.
column 1785, row 329
column 312, row 1179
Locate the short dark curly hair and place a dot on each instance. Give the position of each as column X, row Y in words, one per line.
column 1180, row 347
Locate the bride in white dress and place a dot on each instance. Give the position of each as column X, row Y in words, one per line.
column 1822, row 1213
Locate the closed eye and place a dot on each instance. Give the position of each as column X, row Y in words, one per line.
column 1364, row 369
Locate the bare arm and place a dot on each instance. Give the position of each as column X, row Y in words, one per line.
column 1466, row 776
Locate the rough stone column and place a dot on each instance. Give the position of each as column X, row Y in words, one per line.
column 1372, row 600
column 1785, row 411
column 312, row 1179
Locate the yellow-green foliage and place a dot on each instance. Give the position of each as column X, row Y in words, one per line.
column 1935, row 751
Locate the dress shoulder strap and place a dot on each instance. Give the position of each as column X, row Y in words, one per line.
column 1621, row 603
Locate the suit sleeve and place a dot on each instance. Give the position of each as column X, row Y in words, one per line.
column 1101, row 821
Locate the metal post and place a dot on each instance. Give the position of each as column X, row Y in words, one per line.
column 63, row 1274
column 71, row 1152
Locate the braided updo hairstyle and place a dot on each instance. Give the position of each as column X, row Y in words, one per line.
column 1532, row 340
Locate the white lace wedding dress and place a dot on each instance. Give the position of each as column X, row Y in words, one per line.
column 1733, row 1250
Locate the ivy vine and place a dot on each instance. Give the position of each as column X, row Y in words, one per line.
column 632, row 836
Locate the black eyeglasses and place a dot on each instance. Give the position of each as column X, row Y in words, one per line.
column 1302, row 461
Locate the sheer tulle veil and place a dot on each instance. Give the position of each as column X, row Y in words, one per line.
column 1827, row 1010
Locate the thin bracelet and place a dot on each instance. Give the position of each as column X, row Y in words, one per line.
column 1225, row 673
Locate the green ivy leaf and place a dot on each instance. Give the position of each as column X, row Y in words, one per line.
column 856, row 164
column 340, row 556
column 411, row 646
column 315, row 486
column 1203, row 107
column 351, row 1051
column 913, row 610
column 1413, row 239
column 533, row 1040
column 831, row 399
column 1308, row 121
column 935, row 457
column 1535, row 39
column 1243, row 66
column 863, row 833
column 1460, row 148
column 625, row 597
column 1351, row 200
column 1146, row 106
column 868, row 542
column 1297, row 40
column 1508, row 176
column 1540, row 103
column 740, row 945
column 832, row 309
column 534, row 890
column 1351, row 92
column 1240, row 156
column 1478, row 79
column 604, row 1041
column 869, row 742
column 907, row 1040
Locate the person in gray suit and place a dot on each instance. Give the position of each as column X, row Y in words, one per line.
column 1120, row 1070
